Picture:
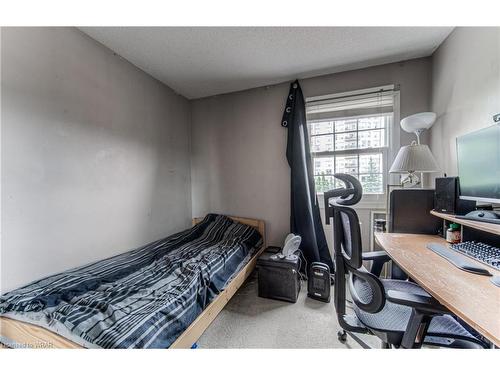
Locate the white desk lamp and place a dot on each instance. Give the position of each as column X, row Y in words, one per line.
column 418, row 122
column 411, row 159
column 415, row 157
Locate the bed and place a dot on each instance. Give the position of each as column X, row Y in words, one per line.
column 164, row 294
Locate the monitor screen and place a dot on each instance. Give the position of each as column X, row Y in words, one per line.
column 478, row 158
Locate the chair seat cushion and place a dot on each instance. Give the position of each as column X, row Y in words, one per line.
column 395, row 318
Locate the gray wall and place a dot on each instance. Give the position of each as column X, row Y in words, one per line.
column 98, row 158
column 95, row 154
column 238, row 146
column 465, row 89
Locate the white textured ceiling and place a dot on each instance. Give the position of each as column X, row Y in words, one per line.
column 198, row 62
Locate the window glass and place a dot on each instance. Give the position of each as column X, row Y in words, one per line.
column 345, row 125
column 355, row 146
column 321, row 143
column 324, row 127
column 346, row 141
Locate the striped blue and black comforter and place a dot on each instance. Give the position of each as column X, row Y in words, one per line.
column 144, row 298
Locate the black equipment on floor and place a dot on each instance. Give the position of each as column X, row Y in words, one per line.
column 446, row 197
column 278, row 277
column 399, row 312
column 318, row 284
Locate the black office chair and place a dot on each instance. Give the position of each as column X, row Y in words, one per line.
column 350, row 195
column 399, row 312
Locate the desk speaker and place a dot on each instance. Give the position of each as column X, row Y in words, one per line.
column 446, row 197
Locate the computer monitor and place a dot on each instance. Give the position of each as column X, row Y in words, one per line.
column 478, row 158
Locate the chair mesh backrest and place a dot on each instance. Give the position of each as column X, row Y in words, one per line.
column 347, row 235
column 366, row 289
column 347, row 238
column 363, row 290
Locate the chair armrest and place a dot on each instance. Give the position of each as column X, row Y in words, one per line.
column 416, row 301
column 379, row 258
column 376, row 255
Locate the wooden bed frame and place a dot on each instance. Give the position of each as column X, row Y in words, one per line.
column 32, row 336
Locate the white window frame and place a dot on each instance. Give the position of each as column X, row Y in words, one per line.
column 389, row 152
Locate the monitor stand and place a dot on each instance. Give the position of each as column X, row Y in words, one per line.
column 485, row 216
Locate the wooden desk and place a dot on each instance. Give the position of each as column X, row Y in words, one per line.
column 471, row 297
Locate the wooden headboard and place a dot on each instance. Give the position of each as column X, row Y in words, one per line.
column 255, row 223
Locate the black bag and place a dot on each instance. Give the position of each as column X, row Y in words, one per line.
column 278, row 278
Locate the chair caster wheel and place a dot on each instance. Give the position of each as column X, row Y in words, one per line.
column 342, row 336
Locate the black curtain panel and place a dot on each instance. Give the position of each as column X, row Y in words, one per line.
column 305, row 218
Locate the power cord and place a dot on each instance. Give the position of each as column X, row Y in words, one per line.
column 301, row 256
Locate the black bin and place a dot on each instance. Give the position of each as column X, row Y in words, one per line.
column 278, row 278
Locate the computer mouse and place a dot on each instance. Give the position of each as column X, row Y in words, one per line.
column 495, row 280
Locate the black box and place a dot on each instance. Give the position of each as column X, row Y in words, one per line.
column 278, row 278
column 410, row 212
column 447, row 197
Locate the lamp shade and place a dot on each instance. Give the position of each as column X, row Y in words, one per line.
column 414, row 158
column 418, row 122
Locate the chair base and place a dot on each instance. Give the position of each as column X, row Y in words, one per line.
column 429, row 341
column 342, row 336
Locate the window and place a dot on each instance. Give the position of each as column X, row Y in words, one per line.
column 351, row 134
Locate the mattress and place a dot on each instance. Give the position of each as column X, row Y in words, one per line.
column 144, row 298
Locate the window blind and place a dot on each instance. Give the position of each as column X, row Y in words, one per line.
column 351, row 105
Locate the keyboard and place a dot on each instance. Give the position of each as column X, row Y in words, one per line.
column 481, row 252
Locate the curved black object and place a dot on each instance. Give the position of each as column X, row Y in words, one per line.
column 347, row 196
column 305, row 218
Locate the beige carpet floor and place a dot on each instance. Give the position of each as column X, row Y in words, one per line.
column 249, row 321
